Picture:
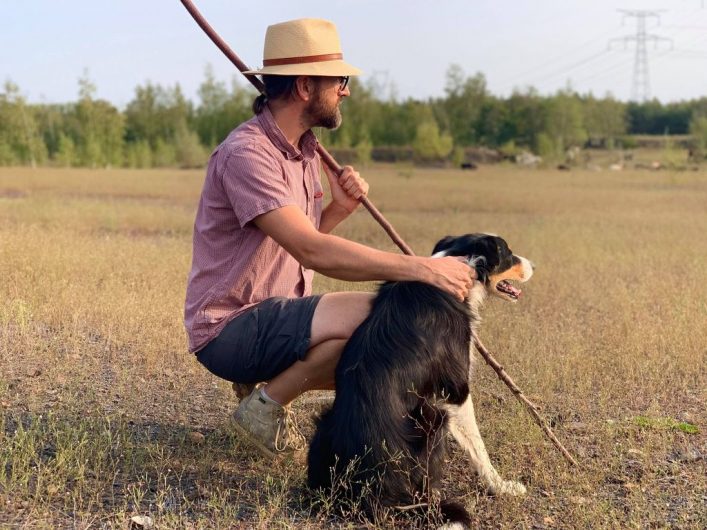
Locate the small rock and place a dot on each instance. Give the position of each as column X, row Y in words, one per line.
column 689, row 454
column 549, row 521
column 687, row 417
column 575, row 499
column 576, row 426
column 581, row 452
column 139, row 522
column 196, row 437
column 34, row 373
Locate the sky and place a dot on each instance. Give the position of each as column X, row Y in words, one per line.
column 404, row 47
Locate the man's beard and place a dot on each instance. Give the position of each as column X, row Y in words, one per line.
column 318, row 114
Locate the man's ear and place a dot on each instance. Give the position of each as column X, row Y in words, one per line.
column 304, row 86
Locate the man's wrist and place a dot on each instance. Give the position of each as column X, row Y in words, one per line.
column 344, row 210
column 420, row 270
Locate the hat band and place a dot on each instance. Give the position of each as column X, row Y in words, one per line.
column 305, row 59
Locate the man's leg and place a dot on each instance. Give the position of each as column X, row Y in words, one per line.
column 262, row 416
column 336, row 317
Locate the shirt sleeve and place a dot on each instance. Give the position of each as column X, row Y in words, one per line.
column 254, row 183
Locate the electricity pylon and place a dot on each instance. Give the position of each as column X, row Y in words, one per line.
column 640, row 90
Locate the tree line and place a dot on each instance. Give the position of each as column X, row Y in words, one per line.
column 161, row 127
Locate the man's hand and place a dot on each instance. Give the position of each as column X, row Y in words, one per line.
column 347, row 188
column 452, row 274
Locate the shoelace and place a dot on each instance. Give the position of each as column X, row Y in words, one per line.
column 297, row 439
column 288, row 432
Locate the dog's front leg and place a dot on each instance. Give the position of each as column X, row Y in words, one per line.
column 462, row 424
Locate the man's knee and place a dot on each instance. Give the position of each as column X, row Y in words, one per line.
column 338, row 314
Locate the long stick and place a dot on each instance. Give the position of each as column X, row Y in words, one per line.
column 326, row 156
column 518, row 393
column 329, row 161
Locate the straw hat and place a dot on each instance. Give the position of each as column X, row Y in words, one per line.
column 308, row 46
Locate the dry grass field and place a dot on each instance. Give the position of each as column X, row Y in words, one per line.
column 104, row 415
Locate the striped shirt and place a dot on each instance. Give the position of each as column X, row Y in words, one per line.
column 234, row 264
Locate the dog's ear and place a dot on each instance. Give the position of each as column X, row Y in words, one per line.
column 443, row 244
column 479, row 264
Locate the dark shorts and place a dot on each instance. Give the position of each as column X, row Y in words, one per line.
column 263, row 341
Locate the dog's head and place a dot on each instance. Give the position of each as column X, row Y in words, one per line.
column 496, row 265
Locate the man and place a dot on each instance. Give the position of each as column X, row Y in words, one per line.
column 261, row 230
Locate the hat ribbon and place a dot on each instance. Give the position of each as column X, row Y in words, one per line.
column 304, row 59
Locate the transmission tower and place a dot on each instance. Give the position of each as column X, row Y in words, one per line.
column 640, row 90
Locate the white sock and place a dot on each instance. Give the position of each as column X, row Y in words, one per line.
column 266, row 397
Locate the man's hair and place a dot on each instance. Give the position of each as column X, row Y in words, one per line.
column 276, row 87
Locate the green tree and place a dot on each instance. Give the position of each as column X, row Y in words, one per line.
column 66, row 151
column 698, row 130
column 565, row 121
column 20, row 139
column 465, row 99
column 429, row 144
column 605, row 120
column 220, row 111
column 525, row 119
column 188, row 150
column 138, row 154
column 364, row 148
column 97, row 128
column 156, row 116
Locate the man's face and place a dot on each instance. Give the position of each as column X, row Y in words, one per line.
column 323, row 109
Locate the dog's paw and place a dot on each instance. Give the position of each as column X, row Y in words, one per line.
column 507, row 487
column 453, row 526
column 511, row 487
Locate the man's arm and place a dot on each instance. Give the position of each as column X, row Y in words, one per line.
column 345, row 260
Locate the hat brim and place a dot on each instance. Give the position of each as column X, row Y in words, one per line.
column 324, row 68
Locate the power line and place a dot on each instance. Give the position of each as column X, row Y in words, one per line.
column 538, row 68
column 577, row 64
column 614, row 67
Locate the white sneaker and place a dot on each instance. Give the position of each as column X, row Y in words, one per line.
column 267, row 426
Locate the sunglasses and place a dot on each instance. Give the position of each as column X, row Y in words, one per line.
column 343, row 82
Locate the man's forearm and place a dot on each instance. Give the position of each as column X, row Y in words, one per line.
column 345, row 260
column 332, row 215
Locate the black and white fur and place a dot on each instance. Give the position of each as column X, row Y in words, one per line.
column 403, row 382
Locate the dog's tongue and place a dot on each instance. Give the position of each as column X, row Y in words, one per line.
column 510, row 289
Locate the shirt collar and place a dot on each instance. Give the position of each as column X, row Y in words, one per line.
column 308, row 141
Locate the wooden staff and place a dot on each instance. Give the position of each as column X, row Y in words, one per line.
column 518, row 393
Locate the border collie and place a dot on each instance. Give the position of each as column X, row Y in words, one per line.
column 403, row 382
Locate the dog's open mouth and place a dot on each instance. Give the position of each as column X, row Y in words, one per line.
column 505, row 287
